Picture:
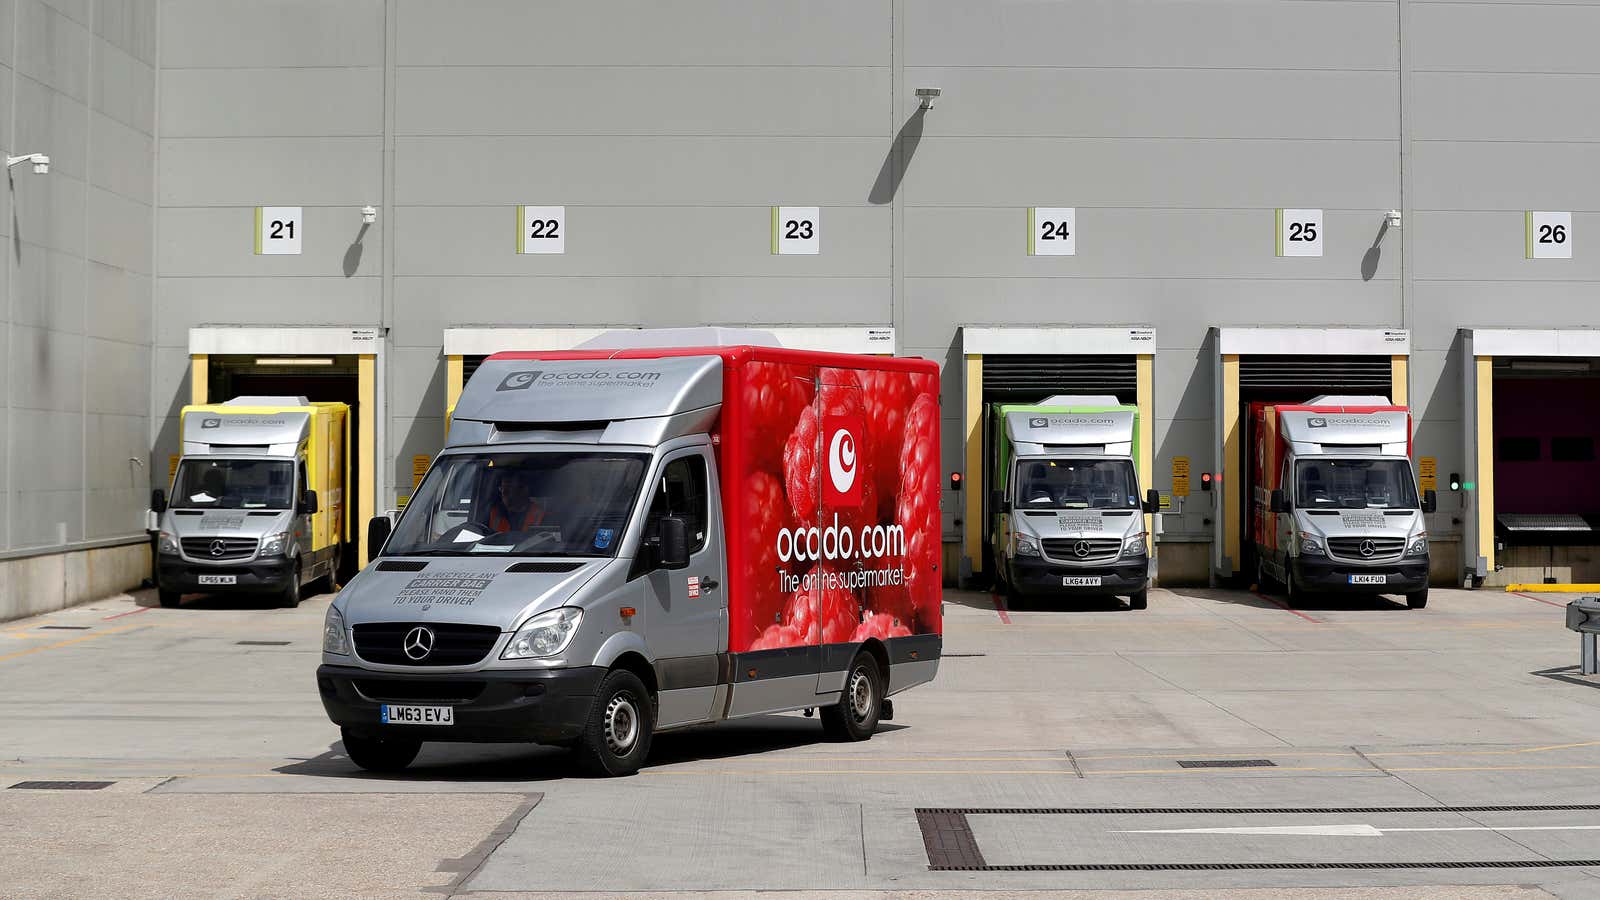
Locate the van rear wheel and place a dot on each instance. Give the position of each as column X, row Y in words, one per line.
column 379, row 755
column 616, row 738
column 855, row 716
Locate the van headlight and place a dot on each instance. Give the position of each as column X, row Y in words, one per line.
column 1134, row 546
column 1026, row 546
column 545, row 634
column 274, row 544
column 333, row 639
column 169, row 543
column 1419, row 545
column 1311, row 545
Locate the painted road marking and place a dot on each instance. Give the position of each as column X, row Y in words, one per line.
column 67, row 643
column 1539, row 599
column 1000, row 607
column 1287, row 608
column 1350, row 830
column 131, row 612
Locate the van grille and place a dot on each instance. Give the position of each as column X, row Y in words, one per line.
column 453, row 645
column 1067, row 549
column 219, row 548
column 1382, row 548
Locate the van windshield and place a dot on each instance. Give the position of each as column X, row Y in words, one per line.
column 521, row 504
column 1354, row 484
column 1076, row 484
column 233, row 484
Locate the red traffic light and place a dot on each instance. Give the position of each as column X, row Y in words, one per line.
column 1205, row 481
column 955, row 481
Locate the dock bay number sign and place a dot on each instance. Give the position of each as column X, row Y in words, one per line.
column 1299, row 232
column 796, row 230
column 541, row 229
column 279, row 230
column 1052, row 231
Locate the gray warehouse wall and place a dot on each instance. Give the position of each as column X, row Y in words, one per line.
column 1175, row 127
column 77, row 82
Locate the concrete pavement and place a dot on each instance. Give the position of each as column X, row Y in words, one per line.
column 1046, row 727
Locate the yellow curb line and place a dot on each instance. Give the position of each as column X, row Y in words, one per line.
column 1554, row 588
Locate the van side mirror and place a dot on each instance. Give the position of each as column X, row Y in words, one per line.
column 1280, row 502
column 1430, row 501
column 378, row 528
column 997, row 502
column 158, row 501
column 1152, row 501
column 672, row 548
column 308, row 501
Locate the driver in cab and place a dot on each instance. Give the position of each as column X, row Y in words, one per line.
column 514, row 508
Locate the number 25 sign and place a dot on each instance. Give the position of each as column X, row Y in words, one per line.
column 1299, row 232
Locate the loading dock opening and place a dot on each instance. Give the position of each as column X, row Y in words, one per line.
column 1026, row 364
column 334, row 364
column 1287, row 365
column 1532, row 486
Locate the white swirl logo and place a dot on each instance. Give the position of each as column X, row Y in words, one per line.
column 517, row 381
column 842, row 460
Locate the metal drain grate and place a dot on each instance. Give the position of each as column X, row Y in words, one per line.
column 61, row 785
column 955, row 655
column 1224, row 763
column 65, row 627
column 261, row 643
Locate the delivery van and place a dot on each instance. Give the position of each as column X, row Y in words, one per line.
column 1066, row 513
column 258, row 499
column 1334, row 504
column 654, row 531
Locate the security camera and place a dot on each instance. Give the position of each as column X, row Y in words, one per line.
column 41, row 163
column 926, row 96
column 369, row 215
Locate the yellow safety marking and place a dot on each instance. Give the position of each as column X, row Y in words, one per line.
column 1483, row 752
column 1554, row 588
column 69, row 642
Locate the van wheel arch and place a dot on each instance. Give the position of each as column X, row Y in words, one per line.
column 638, row 665
column 880, row 655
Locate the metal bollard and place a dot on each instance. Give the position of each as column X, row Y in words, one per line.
column 1583, row 616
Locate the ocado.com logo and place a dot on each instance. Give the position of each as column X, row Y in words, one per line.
column 517, row 381
column 842, row 461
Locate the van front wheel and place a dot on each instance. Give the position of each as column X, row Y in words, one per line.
column 855, row 716
column 616, row 738
column 1417, row 599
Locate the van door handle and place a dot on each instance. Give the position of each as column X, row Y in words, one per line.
column 708, row 584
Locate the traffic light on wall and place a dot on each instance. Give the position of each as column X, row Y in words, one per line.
column 1455, row 481
column 1205, row 481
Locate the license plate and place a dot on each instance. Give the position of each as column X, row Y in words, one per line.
column 219, row 579
column 1081, row 581
column 417, row 715
column 1369, row 579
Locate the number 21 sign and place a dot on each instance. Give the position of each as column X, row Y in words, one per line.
column 278, row 230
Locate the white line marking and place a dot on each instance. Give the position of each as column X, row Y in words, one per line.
column 1352, row 830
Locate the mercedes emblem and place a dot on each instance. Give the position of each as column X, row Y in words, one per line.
column 1081, row 548
column 418, row 643
column 1368, row 548
column 218, row 548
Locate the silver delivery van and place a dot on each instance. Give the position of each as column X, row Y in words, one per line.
column 258, row 499
column 1067, row 515
column 606, row 549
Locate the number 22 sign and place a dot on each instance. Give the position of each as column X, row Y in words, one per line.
column 278, row 230
column 541, row 229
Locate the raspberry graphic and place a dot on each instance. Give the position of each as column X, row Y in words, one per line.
column 840, row 395
column 834, row 607
column 777, row 636
column 881, row 626
column 773, row 396
column 885, row 399
column 917, row 509
column 766, row 512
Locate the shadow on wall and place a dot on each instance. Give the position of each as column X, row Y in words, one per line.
column 897, row 160
column 1374, row 254
column 352, row 254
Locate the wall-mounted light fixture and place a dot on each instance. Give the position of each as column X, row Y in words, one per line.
column 368, row 215
column 926, row 96
column 41, row 163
